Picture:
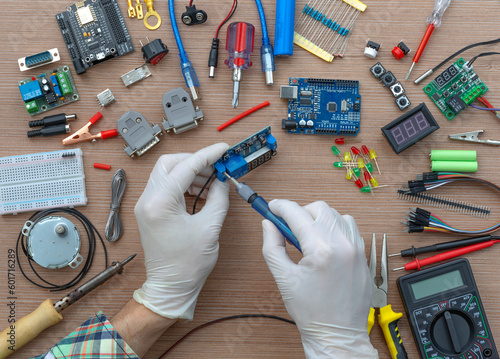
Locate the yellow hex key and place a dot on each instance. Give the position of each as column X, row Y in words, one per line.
column 387, row 318
column 151, row 12
column 24, row 330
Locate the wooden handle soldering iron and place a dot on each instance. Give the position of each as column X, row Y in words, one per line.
column 47, row 314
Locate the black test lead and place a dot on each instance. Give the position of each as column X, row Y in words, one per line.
column 413, row 252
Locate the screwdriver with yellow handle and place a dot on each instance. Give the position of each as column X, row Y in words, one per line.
column 48, row 314
column 387, row 318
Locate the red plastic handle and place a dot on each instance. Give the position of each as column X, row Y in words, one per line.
column 95, row 118
column 424, row 42
column 109, row 133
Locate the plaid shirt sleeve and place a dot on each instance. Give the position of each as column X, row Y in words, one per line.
column 94, row 339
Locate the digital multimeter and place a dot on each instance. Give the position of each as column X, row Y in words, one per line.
column 445, row 312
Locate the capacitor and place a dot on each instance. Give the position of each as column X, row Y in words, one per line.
column 302, row 123
column 371, row 49
column 310, row 123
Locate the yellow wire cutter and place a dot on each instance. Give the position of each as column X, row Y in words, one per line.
column 387, row 318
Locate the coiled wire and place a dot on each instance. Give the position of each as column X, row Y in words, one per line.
column 114, row 227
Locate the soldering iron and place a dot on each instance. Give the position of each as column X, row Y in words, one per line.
column 260, row 205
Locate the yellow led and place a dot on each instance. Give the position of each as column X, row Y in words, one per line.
column 374, row 182
column 349, row 174
column 373, row 155
column 361, row 164
column 347, row 156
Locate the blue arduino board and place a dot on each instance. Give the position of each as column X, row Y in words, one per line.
column 246, row 155
column 319, row 106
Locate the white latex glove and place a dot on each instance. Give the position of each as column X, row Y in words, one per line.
column 328, row 293
column 180, row 249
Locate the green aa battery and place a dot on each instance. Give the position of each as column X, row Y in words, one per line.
column 454, row 166
column 453, row 155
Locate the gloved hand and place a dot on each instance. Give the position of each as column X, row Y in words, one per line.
column 180, row 249
column 328, row 293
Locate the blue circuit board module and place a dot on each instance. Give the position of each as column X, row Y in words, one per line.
column 246, row 155
column 322, row 107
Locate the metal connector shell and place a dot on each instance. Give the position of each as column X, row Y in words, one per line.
column 138, row 133
column 180, row 113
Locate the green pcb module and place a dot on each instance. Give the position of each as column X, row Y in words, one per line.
column 48, row 90
column 455, row 89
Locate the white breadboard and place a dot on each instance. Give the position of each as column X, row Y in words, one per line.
column 41, row 181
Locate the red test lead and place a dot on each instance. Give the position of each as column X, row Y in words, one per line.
column 434, row 21
column 418, row 264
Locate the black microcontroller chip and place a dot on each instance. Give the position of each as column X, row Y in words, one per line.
column 51, row 98
column 436, row 96
column 456, row 103
column 356, row 106
column 305, row 101
column 331, row 107
column 312, row 116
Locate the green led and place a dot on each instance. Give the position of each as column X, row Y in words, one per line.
column 369, row 167
column 338, row 164
column 365, row 189
column 335, row 150
column 357, row 172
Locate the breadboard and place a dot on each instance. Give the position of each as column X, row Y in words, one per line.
column 41, row 181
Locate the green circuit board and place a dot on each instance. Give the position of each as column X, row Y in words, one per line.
column 48, row 90
column 455, row 89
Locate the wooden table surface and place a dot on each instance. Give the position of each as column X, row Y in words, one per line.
column 302, row 171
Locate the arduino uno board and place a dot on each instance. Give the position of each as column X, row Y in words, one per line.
column 319, row 106
column 247, row 155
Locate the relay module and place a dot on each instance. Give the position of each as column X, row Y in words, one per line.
column 327, row 107
column 94, row 31
column 455, row 89
column 246, row 155
column 48, row 90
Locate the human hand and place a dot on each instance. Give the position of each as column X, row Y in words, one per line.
column 180, row 249
column 327, row 293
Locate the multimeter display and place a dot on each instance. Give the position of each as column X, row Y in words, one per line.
column 410, row 128
column 438, row 284
column 445, row 312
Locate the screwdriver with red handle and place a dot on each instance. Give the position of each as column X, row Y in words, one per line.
column 419, row 263
column 434, row 21
column 239, row 45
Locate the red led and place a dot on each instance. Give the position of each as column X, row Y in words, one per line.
column 367, row 176
column 339, row 141
column 355, row 150
column 33, row 78
column 365, row 149
column 359, row 183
